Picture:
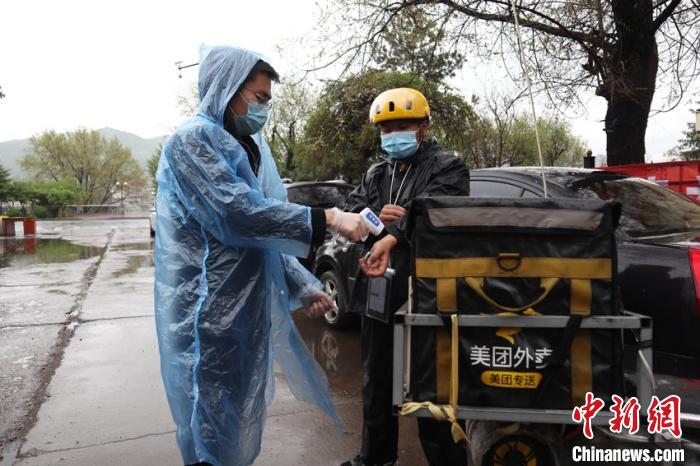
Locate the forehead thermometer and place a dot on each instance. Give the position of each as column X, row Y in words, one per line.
column 372, row 221
column 374, row 225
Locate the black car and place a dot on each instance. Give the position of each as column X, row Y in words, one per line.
column 325, row 194
column 658, row 252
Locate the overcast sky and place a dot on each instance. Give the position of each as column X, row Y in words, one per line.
column 65, row 64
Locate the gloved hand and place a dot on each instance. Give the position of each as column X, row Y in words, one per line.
column 317, row 304
column 349, row 225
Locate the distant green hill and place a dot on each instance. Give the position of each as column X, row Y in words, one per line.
column 12, row 151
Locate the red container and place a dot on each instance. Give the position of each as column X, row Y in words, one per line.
column 682, row 177
column 8, row 226
column 29, row 226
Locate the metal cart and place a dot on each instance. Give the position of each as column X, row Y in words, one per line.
column 404, row 320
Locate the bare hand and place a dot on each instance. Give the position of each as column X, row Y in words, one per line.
column 317, row 304
column 378, row 261
column 391, row 213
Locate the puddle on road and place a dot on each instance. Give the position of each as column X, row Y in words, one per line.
column 337, row 352
column 133, row 247
column 136, row 261
column 22, row 252
column 133, row 263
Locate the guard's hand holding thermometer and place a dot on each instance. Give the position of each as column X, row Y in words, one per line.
column 354, row 227
column 351, row 226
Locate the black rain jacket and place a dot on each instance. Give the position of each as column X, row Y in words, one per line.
column 433, row 172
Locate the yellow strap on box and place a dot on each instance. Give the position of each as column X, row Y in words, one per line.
column 581, row 359
column 530, row 267
column 443, row 364
column 446, row 289
column 445, row 412
column 454, row 370
column 581, row 297
column 477, row 285
column 581, row 367
column 473, row 270
column 440, row 413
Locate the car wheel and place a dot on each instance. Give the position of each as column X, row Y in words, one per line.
column 336, row 318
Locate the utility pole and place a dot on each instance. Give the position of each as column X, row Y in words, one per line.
column 122, row 186
column 181, row 67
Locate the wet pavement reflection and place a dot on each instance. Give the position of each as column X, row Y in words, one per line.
column 140, row 255
column 337, row 352
column 22, row 252
column 142, row 246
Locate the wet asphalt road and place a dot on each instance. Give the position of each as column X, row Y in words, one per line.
column 42, row 284
column 79, row 375
column 79, row 378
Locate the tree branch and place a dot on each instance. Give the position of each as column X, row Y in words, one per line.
column 560, row 31
column 661, row 19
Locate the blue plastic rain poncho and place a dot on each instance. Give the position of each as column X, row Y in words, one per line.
column 226, row 279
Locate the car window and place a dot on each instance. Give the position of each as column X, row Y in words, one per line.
column 483, row 188
column 318, row 195
column 647, row 209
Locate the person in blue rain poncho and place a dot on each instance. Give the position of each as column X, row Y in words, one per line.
column 226, row 274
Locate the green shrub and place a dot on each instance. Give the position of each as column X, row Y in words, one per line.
column 41, row 211
column 13, row 212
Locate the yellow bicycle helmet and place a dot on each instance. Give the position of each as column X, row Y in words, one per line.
column 402, row 103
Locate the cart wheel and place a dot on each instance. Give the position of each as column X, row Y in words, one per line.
column 518, row 450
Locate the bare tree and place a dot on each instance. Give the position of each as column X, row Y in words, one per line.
column 292, row 105
column 623, row 50
column 498, row 134
column 188, row 99
column 502, row 111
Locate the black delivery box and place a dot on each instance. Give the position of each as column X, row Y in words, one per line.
column 527, row 257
